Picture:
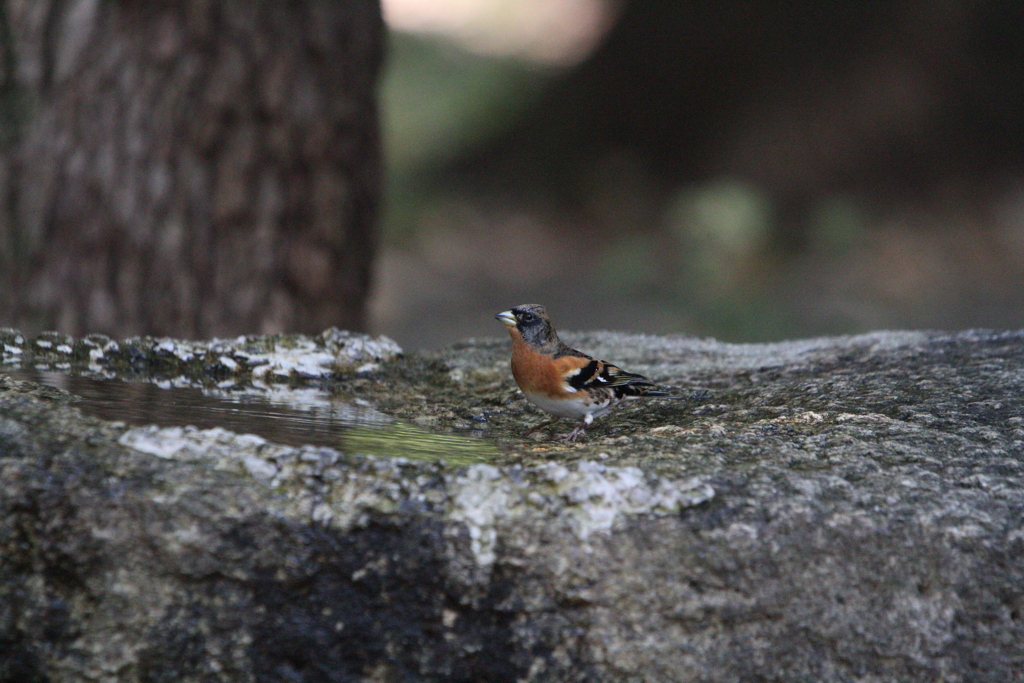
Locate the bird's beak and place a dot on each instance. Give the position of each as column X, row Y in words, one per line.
column 506, row 318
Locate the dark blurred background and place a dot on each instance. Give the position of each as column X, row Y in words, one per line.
column 749, row 170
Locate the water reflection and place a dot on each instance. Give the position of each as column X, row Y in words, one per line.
column 291, row 417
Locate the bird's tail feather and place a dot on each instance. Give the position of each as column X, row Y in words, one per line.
column 658, row 393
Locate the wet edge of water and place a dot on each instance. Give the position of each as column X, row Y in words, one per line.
column 314, row 419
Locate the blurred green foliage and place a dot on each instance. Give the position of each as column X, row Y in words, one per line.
column 838, row 223
column 664, row 223
column 437, row 102
column 701, row 255
column 723, row 226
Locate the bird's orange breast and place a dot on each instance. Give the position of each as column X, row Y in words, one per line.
column 541, row 373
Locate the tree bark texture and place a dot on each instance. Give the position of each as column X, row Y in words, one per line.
column 187, row 167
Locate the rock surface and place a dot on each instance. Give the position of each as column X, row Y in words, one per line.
column 842, row 509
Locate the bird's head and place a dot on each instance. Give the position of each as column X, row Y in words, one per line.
column 531, row 321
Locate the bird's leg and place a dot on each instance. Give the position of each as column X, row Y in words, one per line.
column 531, row 430
column 574, row 434
column 580, row 428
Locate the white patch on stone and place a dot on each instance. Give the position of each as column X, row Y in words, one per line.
column 163, row 443
column 591, row 497
column 259, row 468
column 304, row 359
column 480, row 497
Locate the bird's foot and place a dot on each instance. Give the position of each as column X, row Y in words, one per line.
column 573, row 435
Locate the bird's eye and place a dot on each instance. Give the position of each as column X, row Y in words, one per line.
column 527, row 317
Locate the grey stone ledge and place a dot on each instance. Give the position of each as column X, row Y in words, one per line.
column 834, row 509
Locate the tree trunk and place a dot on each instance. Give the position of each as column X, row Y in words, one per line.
column 191, row 168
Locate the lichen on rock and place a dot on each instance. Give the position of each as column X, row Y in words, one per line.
column 274, row 358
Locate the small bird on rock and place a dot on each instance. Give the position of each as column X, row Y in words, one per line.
column 563, row 381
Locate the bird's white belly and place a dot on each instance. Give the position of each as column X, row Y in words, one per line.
column 567, row 407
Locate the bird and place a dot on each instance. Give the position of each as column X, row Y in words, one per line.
column 562, row 381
